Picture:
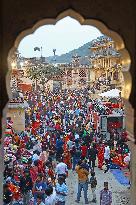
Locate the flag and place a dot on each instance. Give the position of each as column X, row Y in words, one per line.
column 36, row 49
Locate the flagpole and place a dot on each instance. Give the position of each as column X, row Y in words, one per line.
column 41, row 51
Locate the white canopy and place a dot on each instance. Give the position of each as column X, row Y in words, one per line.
column 21, row 95
column 111, row 93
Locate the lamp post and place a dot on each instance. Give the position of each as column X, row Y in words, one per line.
column 54, row 52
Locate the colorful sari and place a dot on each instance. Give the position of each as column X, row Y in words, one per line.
column 100, row 156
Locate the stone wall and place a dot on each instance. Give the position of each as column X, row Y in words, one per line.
column 18, row 118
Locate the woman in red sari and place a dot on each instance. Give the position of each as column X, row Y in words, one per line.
column 67, row 158
column 100, row 156
column 34, row 171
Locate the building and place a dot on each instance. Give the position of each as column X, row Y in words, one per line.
column 106, row 64
column 75, row 74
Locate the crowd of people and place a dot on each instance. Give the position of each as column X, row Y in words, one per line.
column 58, row 137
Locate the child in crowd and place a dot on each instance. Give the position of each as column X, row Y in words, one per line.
column 104, row 167
column 93, row 182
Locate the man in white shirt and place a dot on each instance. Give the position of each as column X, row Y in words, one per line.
column 107, row 157
column 61, row 169
column 107, row 152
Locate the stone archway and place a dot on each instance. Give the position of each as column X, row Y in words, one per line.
column 120, row 45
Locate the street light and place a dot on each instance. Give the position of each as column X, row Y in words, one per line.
column 21, row 64
column 13, row 64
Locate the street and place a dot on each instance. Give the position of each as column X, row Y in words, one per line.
column 120, row 193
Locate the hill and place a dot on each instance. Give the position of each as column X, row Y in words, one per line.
column 67, row 57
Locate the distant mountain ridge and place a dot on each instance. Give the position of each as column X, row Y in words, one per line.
column 67, row 57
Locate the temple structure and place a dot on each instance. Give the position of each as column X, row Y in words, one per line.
column 75, row 74
column 106, row 63
column 104, row 67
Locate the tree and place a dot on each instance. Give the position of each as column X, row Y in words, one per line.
column 42, row 73
column 33, row 74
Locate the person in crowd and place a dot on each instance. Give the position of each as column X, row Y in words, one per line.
column 85, row 164
column 82, row 182
column 61, row 169
column 100, row 155
column 7, row 195
column 67, row 158
column 26, row 186
column 36, row 155
column 107, row 156
column 57, row 126
column 39, row 188
column 105, row 195
column 92, row 154
column 84, row 150
column 34, row 170
column 51, row 197
column 51, row 173
column 76, row 136
column 76, row 154
column 59, row 148
column 93, row 182
column 40, row 200
column 61, row 191
column 70, row 144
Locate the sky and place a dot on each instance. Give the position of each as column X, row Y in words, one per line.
column 66, row 35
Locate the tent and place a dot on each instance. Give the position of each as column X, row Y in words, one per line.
column 111, row 93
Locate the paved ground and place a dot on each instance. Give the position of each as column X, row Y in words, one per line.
column 120, row 192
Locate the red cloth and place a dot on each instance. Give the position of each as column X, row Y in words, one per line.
column 36, row 124
column 57, row 126
column 67, row 159
column 100, row 156
column 51, row 173
column 34, row 173
column 38, row 116
column 40, row 167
